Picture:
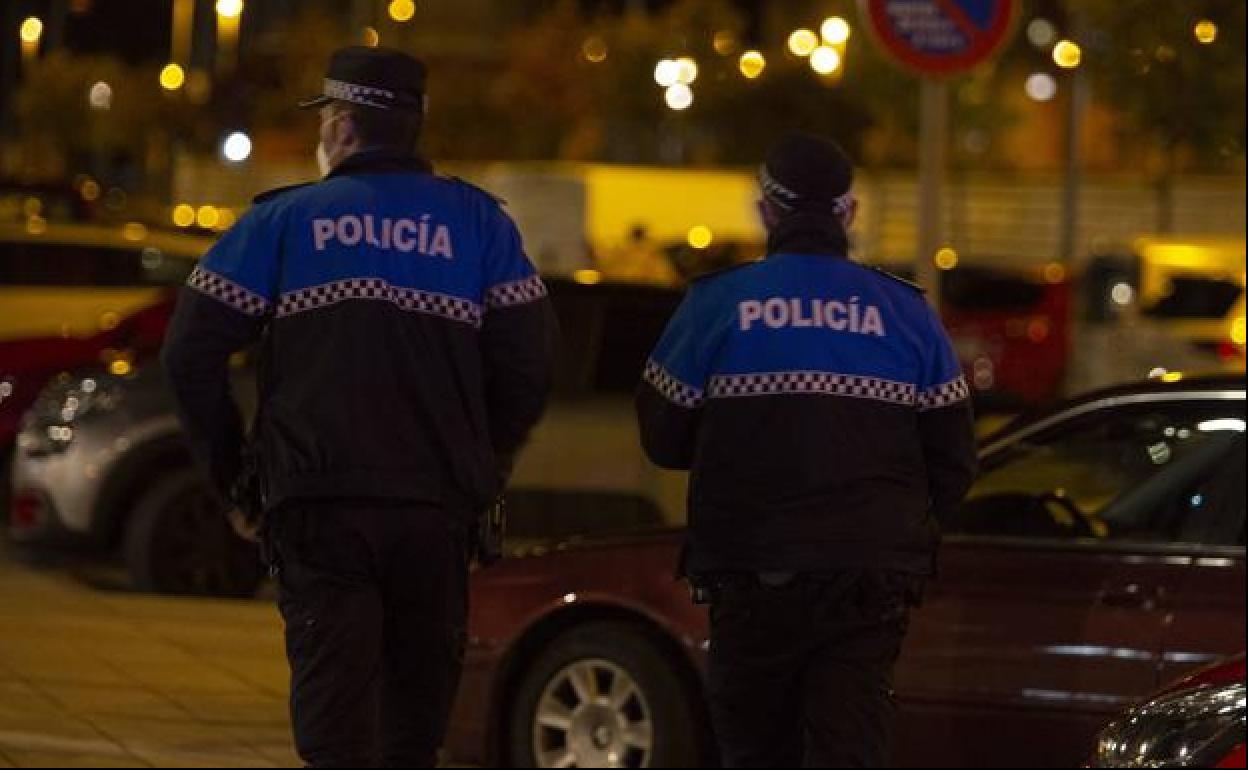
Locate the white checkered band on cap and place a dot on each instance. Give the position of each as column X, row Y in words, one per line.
column 945, row 394
column 359, row 94
column 816, row 383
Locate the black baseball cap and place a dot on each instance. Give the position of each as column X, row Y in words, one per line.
column 381, row 78
column 806, row 172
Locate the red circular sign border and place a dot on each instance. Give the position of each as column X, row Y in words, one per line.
column 936, row 64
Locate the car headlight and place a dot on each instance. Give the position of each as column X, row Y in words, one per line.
column 1189, row 728
column 49, row 425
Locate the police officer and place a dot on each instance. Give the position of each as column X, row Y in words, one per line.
column 821, row 409
column 405, row 354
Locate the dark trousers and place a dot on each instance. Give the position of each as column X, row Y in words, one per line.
column 800, row 675
column 375, row 600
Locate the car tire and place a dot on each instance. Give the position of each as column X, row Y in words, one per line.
column 178, row 541
column 655, row 726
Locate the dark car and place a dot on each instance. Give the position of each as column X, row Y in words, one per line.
column 1198, row 721
column 1100, row 554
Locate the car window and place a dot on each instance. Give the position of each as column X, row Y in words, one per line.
column 1115, row 474
column 1212, row 510
column 607, row 333
column 1195, row 298
column 58, row 264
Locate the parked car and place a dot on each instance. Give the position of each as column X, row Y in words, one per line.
column 1198, row 721
column 1100, row 553
column 101, row 465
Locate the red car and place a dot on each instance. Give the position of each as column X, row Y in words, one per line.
column 1100, row 554
column 1198, row 721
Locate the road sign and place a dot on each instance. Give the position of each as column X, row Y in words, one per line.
column 940, row 37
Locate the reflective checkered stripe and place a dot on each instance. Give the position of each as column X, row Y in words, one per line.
column 515, row 293
column 359, row 94
column 224, row 290
column 945, row 394
column 819, row 383
column 378, row 289
column 672, row 389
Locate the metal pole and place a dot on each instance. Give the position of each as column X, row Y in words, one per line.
column 1077, row 108
column 933, row 144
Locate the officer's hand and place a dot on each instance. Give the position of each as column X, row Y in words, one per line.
column 249, row 531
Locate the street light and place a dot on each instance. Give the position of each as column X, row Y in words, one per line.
column 1041, row 87
column 402, row 10
column 825, row 60
column 1067, row 54
column 31, row 32
column 100, row 97
column 237, row 147
column 172, row 77
column 678, row 96
column 752, row 64
column 1205, row 31
column 667, row 73
column 229, row 17
column 686, row 70
column 803, row 42
column 835, row 30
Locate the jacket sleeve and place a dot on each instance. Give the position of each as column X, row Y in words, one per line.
column 672, row 391
column 946, row 423
column 221, row 310
column 519, row 335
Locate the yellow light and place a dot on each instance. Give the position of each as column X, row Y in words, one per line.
column 1205, row 31
column 183, row 215
column 587, row 277
column 802, row 42
column 686, row 70
column 825, row 60
column 594, row 49
column 90, row 190
column 371, row 37
column 36, row 225
column 207, row 217
column 172, row 77
column 109, row 321
column 230, row 9
column 700, row 236
column 1239, row 335
column 31, row 30
column 678, row 97
column 946, row 258
column 725, row 42
column 225, row 219
column 835, row 30
column 134, row 231
column 752, row 64
column 402, row 10
column 32, row 207
column 120, row 367
column 1067, row 54
column 1172, row 376
column 1054, row 272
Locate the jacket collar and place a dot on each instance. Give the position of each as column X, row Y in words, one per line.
column 807, row 233
column 382, row 161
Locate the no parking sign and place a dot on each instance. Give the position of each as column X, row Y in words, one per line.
column 940, row 37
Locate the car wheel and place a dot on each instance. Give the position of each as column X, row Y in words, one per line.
column 603, row 695
column 178, row 541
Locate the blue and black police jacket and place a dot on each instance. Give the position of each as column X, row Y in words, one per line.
column 820, row 407
column 407, row 339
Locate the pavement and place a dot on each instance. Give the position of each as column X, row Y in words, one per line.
column 92, row 676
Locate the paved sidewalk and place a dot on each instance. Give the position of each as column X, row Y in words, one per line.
column 99, row 678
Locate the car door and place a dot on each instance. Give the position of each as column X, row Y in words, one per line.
column 1205, row 621
column 1055, row 584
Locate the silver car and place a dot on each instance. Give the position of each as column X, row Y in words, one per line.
column 101, row 465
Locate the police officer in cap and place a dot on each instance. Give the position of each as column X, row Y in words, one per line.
column 405, row 352
column 824, row 417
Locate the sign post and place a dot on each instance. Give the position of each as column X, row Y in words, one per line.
column 936, row 39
